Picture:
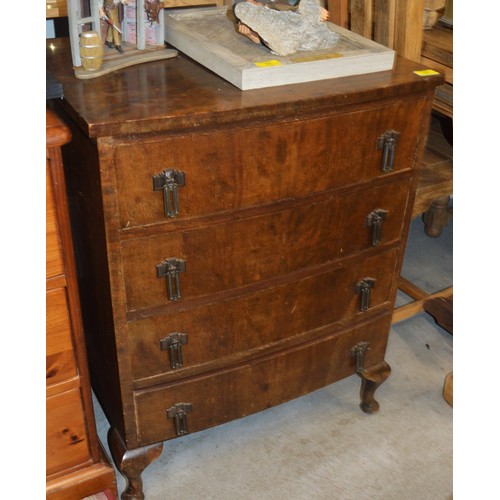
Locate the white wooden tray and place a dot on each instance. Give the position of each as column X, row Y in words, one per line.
column 208, row 36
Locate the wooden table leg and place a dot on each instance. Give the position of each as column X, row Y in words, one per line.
column 448, row 389
column 436, row 217
column 441, row 309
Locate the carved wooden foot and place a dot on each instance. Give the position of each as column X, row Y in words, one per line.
column 371, row 377
column 131, row 463
column 437, row 216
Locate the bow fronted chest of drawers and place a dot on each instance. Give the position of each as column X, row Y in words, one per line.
column 236, row 249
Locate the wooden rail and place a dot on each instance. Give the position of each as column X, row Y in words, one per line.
column 420, row 297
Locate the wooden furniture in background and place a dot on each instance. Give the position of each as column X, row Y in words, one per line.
column 432, row 201
column 394, row 23
column 238, row 249
column 441, row 309
column 419, row 298
column 398, row 24
column 75, row 464
column 448, row 389
column 436, row 180
column 433, row 10
column 437, row 53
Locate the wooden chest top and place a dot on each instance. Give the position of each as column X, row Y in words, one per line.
column 178, row 94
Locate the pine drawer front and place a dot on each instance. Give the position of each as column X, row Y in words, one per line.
column 54, row 260
column 245, row 167
column 60, row 357
column 66, row 438
column 245, row 325
column 259, row 384
column 228, row 255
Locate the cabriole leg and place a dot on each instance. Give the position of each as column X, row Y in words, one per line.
column 131, row 463
column 371, row 377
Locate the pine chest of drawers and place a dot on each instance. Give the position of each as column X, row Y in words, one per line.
column 76, row 466
column 235, row 249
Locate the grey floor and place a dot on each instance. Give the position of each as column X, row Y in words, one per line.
column 322, row 446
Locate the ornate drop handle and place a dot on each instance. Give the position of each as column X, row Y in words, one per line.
column 363, row 288
column 170, row 269
column 387, row 143
column 374, row 220
column 169, row 181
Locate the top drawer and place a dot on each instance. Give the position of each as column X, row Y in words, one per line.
column 225, row 170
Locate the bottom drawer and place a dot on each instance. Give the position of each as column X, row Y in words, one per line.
column 66, row 436
column 235, row 392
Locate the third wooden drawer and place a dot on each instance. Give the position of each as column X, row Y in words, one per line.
column 220, row 332
column 249, row 387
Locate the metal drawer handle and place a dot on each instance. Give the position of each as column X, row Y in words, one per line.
column 387, row 143
column 178, row 413
column 363, row 288
column 171, row 269
column 374, row 220
column 173, row 344
column 169, row 181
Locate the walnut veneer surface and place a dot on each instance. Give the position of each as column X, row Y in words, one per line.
column 284, row 277
column 75, row 467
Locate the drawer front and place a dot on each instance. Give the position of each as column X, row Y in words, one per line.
column 248, row 388
column 258, row 320
column 241, row 252
column 66, row 438
column 54, row 259
column 245, row 167
column 59, row 350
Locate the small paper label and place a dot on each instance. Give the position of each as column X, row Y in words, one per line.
column 265, row 64
column 426, row 72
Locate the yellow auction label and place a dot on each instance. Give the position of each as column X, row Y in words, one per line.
column 265, row 64
column 426, row 72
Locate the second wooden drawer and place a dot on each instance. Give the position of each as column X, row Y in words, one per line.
column 236, row 253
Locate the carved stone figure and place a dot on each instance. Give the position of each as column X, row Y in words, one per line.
column 285, row 31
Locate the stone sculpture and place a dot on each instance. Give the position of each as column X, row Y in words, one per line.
column 285, row 31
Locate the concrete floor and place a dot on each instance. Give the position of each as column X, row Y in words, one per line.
column 322, row 446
